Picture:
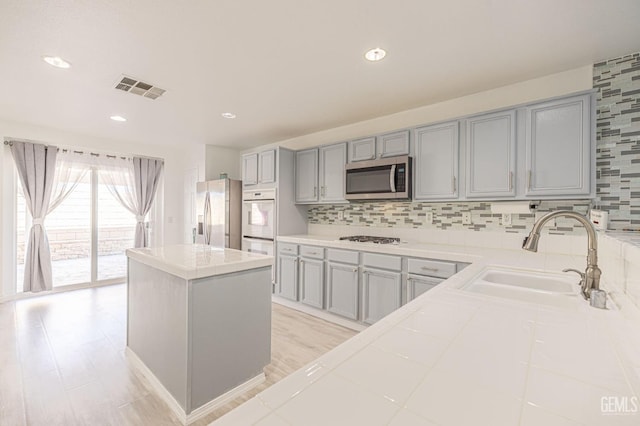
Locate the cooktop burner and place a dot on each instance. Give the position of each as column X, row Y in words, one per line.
column 370, row 239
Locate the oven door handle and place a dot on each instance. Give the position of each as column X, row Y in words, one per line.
column 392, row 178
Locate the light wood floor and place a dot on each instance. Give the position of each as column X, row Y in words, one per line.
column 62, row 360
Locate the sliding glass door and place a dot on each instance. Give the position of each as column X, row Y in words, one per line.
column 88, row 235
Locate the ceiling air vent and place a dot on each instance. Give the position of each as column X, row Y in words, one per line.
column 137, row 87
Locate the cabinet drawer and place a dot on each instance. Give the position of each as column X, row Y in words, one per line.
column 382, row 261
column 343, row 256
column 288, row 248
column 433, row 268
column 313, row 252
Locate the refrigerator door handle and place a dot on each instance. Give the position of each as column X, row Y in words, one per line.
column 207, row 214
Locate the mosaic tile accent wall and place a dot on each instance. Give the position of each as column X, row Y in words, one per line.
column 445, row 216
column 617, row 173
column 618, row 140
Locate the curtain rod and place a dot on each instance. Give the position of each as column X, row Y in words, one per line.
column 95, row 154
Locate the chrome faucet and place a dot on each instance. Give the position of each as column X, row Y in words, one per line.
column 590, row 278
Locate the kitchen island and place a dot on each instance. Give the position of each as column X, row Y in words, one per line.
column 199, row 323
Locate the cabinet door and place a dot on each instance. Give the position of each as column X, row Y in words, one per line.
column 382, row 293
column 267, row 166
column 312, row 282
column 491, row 155
column 436, row 165
column 362, row 149
column 558, row 147
column 332, row 161
column 307, row 176
column 393, row 144
column 250, row 169
column 417, row 285
column 287, row 277
column 342, row 289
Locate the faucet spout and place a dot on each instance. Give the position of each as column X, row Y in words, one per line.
column 591, row 279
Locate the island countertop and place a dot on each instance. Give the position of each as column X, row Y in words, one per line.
column 193, row 261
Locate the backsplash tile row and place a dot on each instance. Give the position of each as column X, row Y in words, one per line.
column 445, row 216
column 618, row 140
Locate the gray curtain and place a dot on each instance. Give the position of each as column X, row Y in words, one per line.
column 146, row 174
column 36, row 164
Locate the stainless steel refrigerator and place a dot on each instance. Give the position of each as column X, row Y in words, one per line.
column 219, row 207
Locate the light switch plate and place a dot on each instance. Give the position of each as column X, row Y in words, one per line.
column 428, row 218
column 466, row 218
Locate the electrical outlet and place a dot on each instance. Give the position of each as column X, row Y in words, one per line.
column 466, row 218
column 428, row 218
column 506, row 219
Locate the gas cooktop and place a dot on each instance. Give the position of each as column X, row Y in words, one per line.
column 370, row 239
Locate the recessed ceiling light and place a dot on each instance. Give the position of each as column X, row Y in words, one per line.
column 118, row 118
column 375, row 54
column 56, row 61
column 228, row 115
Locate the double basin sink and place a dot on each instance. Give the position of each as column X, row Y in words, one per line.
column 546, row 288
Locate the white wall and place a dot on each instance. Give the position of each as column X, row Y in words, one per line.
column 221, row 160
column 550, row 86
column 176, row 163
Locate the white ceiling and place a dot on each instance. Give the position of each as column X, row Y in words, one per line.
column 285, row 67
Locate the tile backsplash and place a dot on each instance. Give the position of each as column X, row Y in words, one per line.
column 445, row 216
column 617, row 174
column 618, row 140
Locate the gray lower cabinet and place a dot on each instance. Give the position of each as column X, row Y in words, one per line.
column 287, row 286
column 342, row 289
column 382, row 293
column 312, row 282
column 417, row 285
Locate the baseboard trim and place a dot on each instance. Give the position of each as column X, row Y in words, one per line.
column 62, row 289
column 175, row 406
column 327, row 316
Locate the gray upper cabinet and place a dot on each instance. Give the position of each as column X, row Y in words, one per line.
column 558, row 148
column 320, row 174
column 307, row 176
column 436, row 162
column 267, row 166
column 387, row 145
column 332, row 161
column 259, row 167
column 362, row 149
column 250, row 169
column 393, row 144
column 491, row 155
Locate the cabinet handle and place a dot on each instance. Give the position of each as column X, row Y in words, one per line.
column 355, row 269
column 426, row 268
column 286, row 249
column 315, row 191
column 453, row 184
column 313, row 252
column 301, row 261
column 323, row 190
column 510, row 181
column 529, row 180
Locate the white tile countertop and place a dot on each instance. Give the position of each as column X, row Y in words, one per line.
column 192, row 261
column 451, row 357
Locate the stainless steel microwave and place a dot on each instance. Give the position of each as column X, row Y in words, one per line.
column 382, row 179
